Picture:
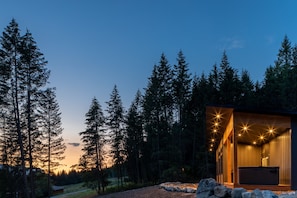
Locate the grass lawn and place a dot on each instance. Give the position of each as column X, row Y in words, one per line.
column 76, row 191
column 79, row 191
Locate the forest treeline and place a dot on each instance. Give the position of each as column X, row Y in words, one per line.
column 160, row 137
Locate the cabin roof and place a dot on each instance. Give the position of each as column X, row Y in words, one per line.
column 252, row 125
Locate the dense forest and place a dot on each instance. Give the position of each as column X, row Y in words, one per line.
column 161, row 136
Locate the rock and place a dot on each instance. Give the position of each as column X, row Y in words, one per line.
column 246, row 195
column 206, row 188
column 229, row 192
column 236, row 192
column 257, row 194
column 209, row 188
column 179, row 187
column 268, row 194
column 220, row 191
column 212, row 196
column 190, row 190
column 288, row 195
column 169, row 188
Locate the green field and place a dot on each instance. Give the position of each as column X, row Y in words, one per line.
column 80, row 191
column 76, row 191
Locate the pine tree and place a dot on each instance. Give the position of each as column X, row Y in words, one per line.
column 115, row 123
column 201, row 93
column 93, row 140
column 279, row 79
column 158, row 115
column 229, row 83
column 293, row 100
column 181, row 94
column 10, row 56
column 34, row 77
column 214, row 85
column 246, row 98
column 181, row 85
column 51, row 128
column 134, row 138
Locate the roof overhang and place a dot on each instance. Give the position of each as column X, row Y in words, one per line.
column 251, row 126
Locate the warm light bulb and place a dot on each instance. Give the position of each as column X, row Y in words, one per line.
column 216, row 124
column 254, row 142
column 239, row 134
column 214, row 130
column 212, row 140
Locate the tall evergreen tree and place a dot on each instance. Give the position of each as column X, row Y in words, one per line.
column 115, row 123
column 214, row 85
column 51, row 128
column 10, row 56
column 134, row 138
column 34, row 77
column 158, row 115
column 293, row 99
column 181, row 95
column 181, row 85
column 93, row 140
column 200, row 97
column 228, row 83
column 279, row 80
column 247, row 95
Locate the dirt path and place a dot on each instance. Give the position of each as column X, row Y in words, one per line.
column 148, row 192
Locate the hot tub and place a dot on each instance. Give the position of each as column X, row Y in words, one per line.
column 259, row 175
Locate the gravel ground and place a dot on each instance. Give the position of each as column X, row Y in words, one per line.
column 148, row 192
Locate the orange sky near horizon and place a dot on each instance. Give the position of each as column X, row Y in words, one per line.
column 72, row 155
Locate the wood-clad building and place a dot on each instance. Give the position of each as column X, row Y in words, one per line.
column 254, row 148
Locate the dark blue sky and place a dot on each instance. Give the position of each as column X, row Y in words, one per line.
column 93, row 45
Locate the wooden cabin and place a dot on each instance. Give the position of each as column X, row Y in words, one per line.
column 253, row 148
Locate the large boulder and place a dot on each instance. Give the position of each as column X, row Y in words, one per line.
column 257, row 194
column 268, row 194
column 206, row 188
column 237, row 192
column 220, row 191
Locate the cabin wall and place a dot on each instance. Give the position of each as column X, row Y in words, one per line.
column 294, row 153
column 248, row 155
column 225, row 155
column 280, row 155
